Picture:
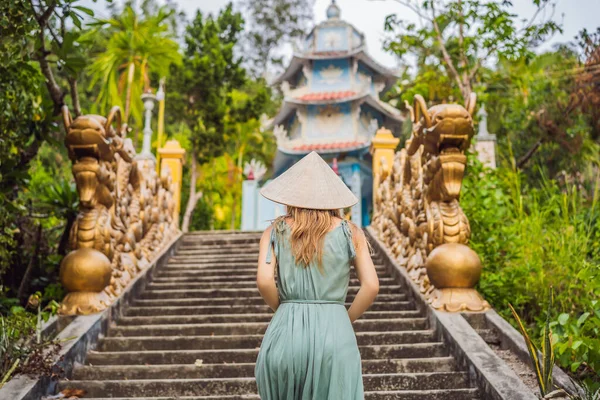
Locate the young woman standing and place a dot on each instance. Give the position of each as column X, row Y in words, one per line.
column 309, row 351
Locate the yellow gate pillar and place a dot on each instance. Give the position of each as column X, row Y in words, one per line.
column 171, row 156
column 383, row 148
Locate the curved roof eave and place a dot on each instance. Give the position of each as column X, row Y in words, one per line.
column 359, row 52
column 283, row 113
column 357, row 96
column 362, row 146
column 385, row 108
column 289, row 106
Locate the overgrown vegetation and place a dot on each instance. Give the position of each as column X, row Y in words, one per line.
column 535, row 220
column 23, row 349
column 531, row 239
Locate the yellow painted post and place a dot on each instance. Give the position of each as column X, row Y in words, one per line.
column 383, row 148
column 172, row 157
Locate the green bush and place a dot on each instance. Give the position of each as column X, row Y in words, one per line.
column 531, row 239
column 577, row 339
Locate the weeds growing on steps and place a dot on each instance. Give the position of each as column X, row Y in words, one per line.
column 534, row 238
column 23, row 349
column 541, row 362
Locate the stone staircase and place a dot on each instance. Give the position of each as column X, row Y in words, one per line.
column 195, row 331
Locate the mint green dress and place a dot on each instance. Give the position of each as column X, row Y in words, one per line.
column 309, row 351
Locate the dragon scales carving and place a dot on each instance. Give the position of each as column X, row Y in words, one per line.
column 417, row 213
column 125, row 212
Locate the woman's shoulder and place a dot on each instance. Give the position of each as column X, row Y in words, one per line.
column 266, row 235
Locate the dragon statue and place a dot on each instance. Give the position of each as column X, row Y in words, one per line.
column 417, row 213
column 126, row 212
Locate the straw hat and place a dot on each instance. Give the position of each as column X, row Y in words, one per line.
column 310, row 183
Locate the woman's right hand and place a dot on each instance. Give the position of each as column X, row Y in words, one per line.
column 265, row 274
column 367, row 275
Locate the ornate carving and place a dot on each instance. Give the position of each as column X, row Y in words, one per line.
column 417, row 211
column 329, row 119
column 125, row 212
column 331, row 75
column 281, row 135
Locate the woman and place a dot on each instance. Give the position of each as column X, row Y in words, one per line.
column 309, row 351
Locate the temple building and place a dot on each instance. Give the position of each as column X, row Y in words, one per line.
column 332, row 105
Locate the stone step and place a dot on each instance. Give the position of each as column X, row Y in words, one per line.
column 242, row 292
column 244, row 281
column 254, row 328
column 213, row 258
column 445, row 394
column 242, row 256
column 164, row 317
column 219, row 356
column 229, row 386
column 201, row 253
column 227, row 270
column 225, row 257
column 257, row 300
column 245, row 277
column 249, row 239
column 154, row 307
column 150, row 343
column 186, row 371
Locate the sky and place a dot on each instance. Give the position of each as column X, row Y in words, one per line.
column 368, row 16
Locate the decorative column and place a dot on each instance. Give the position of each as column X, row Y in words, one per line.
column 355, row 186
column 485, row 142
column 148, row 99
column 383, row 148
column 160, row 97
column 172, row 158
column 254, row 171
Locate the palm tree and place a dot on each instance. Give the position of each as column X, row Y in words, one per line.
column 132, row 46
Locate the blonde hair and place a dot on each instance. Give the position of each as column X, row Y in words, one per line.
column 308, row 233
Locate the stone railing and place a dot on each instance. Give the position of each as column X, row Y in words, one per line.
column 416, row 204
column 127, row 212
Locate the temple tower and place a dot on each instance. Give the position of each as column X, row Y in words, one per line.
column 332, row 105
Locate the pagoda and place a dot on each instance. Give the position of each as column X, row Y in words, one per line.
column 332, row 105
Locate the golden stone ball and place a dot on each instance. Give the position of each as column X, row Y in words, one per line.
column 453, row 265
column 85, row 270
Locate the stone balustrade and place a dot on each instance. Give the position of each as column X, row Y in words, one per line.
column 417, row 213
column 127, row 212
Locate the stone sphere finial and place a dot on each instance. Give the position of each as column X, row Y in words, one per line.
column 333, row 11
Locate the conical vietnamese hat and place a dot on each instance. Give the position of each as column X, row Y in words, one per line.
column 310, row 183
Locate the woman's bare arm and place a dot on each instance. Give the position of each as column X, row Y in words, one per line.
column 265, row 275
column 367, row 275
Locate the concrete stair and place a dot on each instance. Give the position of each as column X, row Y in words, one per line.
column 203, row 307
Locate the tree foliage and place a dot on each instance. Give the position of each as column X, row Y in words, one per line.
column 217, row 104
column 458, row 37
column 129, row 47
column 39, row 63
column 209, row 72
column 272, row 24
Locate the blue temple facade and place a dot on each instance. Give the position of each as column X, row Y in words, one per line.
column 332, row 105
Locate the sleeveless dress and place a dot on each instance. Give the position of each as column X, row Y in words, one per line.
column 309, row 351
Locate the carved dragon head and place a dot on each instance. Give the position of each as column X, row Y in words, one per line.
column 445, row 132
column 94, row 135
column 442, row 128
column 92, row 141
